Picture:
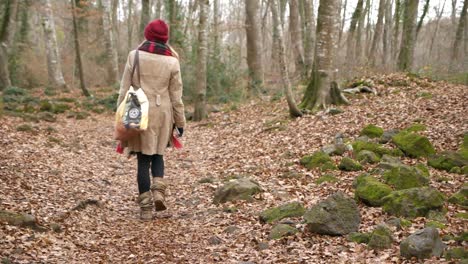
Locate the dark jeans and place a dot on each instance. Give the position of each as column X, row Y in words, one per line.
column 156, row 162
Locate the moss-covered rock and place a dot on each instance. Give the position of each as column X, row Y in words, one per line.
column 326, row 178
column 438, row 216
column 413, row 202
column 405, row 177
column 370, row 190
column 423, row 170
column 336, row 215
column 388, row 162
column 422, row 244
column 318, row 159
column 413, row 145
column 236, row 189
column 435, row 224
column 447, row 161
column 399, row 223
column 464, row 147
column 348, row 164
column 465, row 170
column 456, row 170
column 281, row 230
column 462, row 215
column 372, row 131
column 378, row 149
column 367, row 156
column 47, row 116
column 360, row 238
column 460, row 197
column 334, row 149
column 24, row 128
column 20, row 219
column 271, row 215
column 415, row 128
column 456, row 253
column 381, row 238
column 388, row 135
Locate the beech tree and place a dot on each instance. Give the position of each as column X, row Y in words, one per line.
column 254, row 46
column 351, row 43
column 200, row 96
column 78, row 51
column 296, row 34
column 408, row 38
column 459, row 34
column 7, row 34
column 113, row 76
column 378, row 32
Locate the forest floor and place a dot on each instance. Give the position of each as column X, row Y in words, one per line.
column 47, row 171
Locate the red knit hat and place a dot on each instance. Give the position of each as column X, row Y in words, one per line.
column 157, row 30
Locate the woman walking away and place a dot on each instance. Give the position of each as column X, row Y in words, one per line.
column 159, row 77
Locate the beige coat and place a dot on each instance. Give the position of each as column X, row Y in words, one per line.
column 162, row 83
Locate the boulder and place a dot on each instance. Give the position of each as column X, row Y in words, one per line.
column 326, row 178
column 413, row 202
column 413, row 145
column 334, row 149
column 348, row 164
column 460, row 197
column 282, row 230
column 381, row 238
column 318, row 159
column 447, row 160
column 372, row 131
column 336, row 215
column 405, row 177
column 367, row 156
column 271, row 215
column 360, row 238
column 388, row 162
column 388, row 135
column 19, row 219
column 359, row 145
column 398, row 223
column 236, row 189
column 415, row 128
column 422, row 244
column 370, row 190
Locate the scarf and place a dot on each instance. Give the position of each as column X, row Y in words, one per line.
column 156, row 48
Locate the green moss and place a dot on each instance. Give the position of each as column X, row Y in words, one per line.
column 405, row 223
column 456, row 170
column 15, row 91
column 372, row 131
column 348, row 164
column 456, row 253
column 381, row 238
column 416, row 128
column 413, row 202
column 378, row 149
column 366, row 156
column 360, row 238
column 462, row 215
column 45, row 106
column 318, row 159
column 423, row 169
column 326, row 178
column 435, row 224
column 294, row 209
column 405, row 177
column 464, row 147
column 47, row 116
column 459, row 198
column 447, row 160
column 24, row 128
column 465, row 170
column 413, row 145
column 370, row 190
column 282, row 230
column 463, row 237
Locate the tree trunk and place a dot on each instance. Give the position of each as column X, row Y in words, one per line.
column 254, row 46
column 130, row 25
column 351, row 43
column 387, row 33
column 278, row 38
column 456, row 53
column 54, row 66
column 157, row 14
column 115, row 27
column 396, row 32
column 6, row 41
column 296, row 35
column 200, row 95
column 359, row 33
column 145, row 15
column 322, row 87
column 434, row 36
column 368, row 28
column 343, row 21
column 421, row 20
column 216, row 17
column 309, row 31
column 377, row 33
column 111, row 50
column 453, row 16
column 408, row 39
column 77, row 51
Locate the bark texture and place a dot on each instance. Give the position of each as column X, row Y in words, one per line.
column 6, row 41
column 254, row 46
column 351, row 43
column 378, row 32
column 77, row 51
column 308, row 19
column 200, row 97
column 296, row 34
column 456, row 52
column 111, row 50
column 145, row 15
column 408, row 38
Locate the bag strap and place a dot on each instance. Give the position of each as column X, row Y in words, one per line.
column 136, row 65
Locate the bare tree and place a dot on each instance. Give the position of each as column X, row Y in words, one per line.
column 77, row 51
column 308, row 20
column 359, row 34
column 145, row 15
column 408, row 39
column 453, row 16
column 296, row 34
column 278, row 38
column 439, row 13
column 7, row 34
column 54, row 66
column 421, row 20
column 200, row 95
column 396, row 29
column 351, row 43
column 254, row 46
column 387, row 33
column 343, row 21
column 129, row 25
column 111, row 50
column 378, row 32
column 456, row 53
column 323, row 89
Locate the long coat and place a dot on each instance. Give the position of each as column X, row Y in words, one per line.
column 161, row 81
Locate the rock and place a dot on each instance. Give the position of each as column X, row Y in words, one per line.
column 447, row 161
column 388, row 162
column 423, row 170
column 422, row 244
column 318, row 159
column 282, row 230
column 326, row 178
column 370, row 190
column 47, row 116
column 399, row 223
column 388, row 135
column 413, row 145
column 378, row 149
column 363, row 139
column 336, row 215
column 367, row 156
column 415, row 128
column 460, row 197
column 334, row 149
column 437, row 216
column 236, row 189
column 17, row 219
column 231, row 229
column 360, row 238
column 413, row 202
column 262, row 246
column 456, row 170
column 348, row 164
column 456, row 253
column 294, row 209
column 381, row 238
column 215, row 240
column 372, row 131
column 405, row 177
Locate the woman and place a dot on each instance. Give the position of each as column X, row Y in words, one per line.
column 161, row 81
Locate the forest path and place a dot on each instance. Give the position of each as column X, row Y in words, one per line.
column 48, row 171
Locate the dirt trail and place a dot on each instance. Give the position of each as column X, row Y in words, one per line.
column 49, row 171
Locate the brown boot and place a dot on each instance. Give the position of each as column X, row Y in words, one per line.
column 146, row 206
column 158, row 188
